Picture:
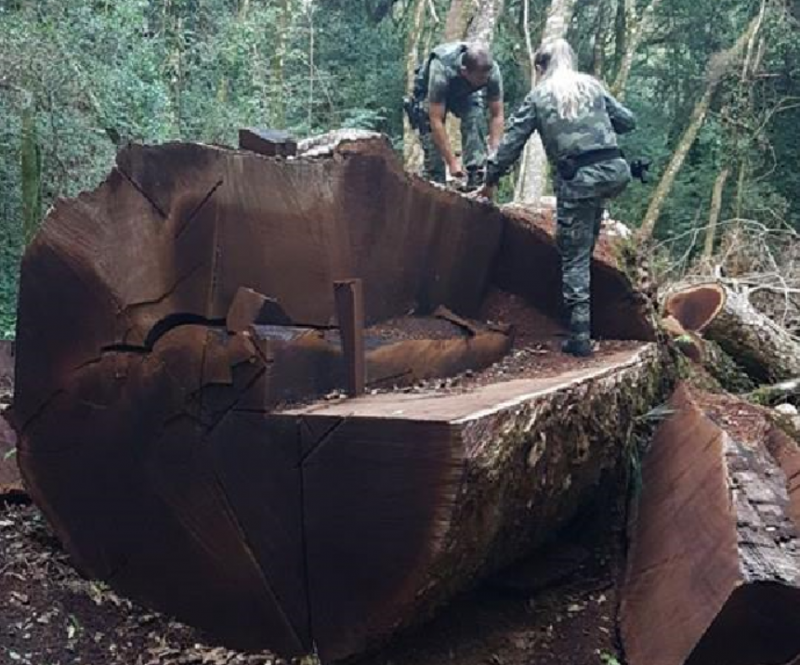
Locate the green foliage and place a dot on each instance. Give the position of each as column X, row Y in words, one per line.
column 608, row 659
column 79, row 78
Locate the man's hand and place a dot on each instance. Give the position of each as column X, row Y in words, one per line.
column 455, row 168
column 486, row 192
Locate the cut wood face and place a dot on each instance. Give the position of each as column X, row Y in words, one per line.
column 714, row 564
column 695, row 307
column 169, row 319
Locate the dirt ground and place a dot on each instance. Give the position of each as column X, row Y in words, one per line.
column 558, row 608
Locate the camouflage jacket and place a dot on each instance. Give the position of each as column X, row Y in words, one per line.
column 595, row 127
column 442, row 81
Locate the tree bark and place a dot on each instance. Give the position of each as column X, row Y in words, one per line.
column 278, row 66
column 167, row 447
column 532, row 178
column 412, row 150
column 713, row 215
column 457, row 20
column 632, row 33
column 599, row 48
column 484, row 20
column 719, row 65
column 31, row 172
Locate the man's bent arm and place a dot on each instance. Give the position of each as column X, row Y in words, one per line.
column 496, row 123
column 436, row 114
column 522, row 125
column 622, row 118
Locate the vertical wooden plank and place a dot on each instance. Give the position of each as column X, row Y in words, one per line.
column 349, row 296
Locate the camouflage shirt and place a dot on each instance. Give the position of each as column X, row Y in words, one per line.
column 595, row 127
column 445, row 83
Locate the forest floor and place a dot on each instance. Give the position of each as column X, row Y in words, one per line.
column 557, row 608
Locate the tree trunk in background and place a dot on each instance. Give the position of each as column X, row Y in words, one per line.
column 310, row 15
column 31, row 170
column 412, row 150
column 278, row 62
column 455, row 26
column 718, row 66
column 471, row 20
column 599, row 49
column 484, row 20
column 713, row 216
column 533, row 171
column 632, row 36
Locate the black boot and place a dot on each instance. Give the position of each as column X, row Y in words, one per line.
column 582, row 348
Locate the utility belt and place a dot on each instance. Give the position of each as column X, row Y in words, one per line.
column 568, row 166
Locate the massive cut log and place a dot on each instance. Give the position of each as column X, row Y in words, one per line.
column 765, row 350
column 714, row 566
column 176, row 330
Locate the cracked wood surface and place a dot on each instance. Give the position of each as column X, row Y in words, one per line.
column 147, row 394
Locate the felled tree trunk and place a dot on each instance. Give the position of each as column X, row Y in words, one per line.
column 766, row 351
column 714, row 565
column 177, row 329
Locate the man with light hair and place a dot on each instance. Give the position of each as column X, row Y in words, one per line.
column 578, row 121
column 463, row 79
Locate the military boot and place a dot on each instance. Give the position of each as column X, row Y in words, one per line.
column 582, row 348
column 580, row 333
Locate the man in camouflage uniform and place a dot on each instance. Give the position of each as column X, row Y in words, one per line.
column 578, row 121
column 462, row 79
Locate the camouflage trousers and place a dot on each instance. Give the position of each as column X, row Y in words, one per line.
column 472, row 113
column 577, row 229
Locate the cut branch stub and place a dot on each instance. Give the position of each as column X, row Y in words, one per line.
column 695, row 307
